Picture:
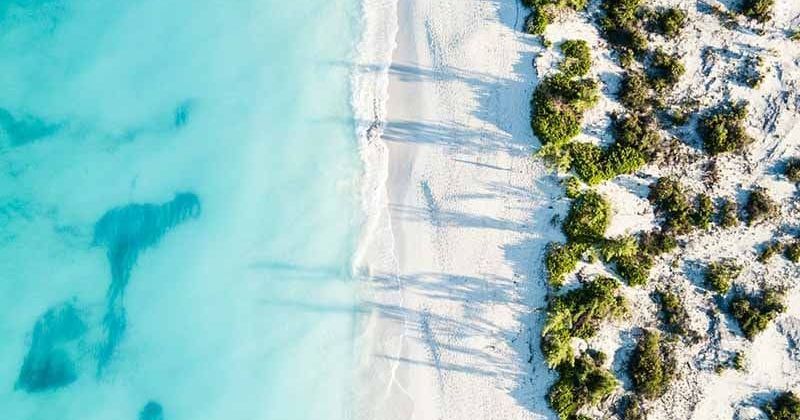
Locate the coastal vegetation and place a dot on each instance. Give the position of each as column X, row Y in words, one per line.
column 721, row 274
column 672, row 312
column 785, row 407
column 754, row 312
column 651, row 367
column 759, row 10
column 760, row 207
column 722, row 130
column 584, row 383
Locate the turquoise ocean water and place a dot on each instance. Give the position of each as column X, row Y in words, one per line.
column 178, row 209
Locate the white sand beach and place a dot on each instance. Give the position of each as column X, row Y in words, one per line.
column 460, row 213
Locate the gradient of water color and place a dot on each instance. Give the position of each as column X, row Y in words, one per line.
column 178, row 209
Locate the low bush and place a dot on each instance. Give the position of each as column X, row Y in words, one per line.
column 543, row 11
column 760, row 207
column 792, row 170
column 588, row 218
column 621, row 246
column 578, row 313
column 670, row 21
column 585, row 383
column 587, row 160
column 651, row 367
column 669, row 199
column 672, row 312
column 795, row 35
column 621, row 25
column 723, row 130
column 634, row 269
column 561, row 260
column 635, row 91
column 729, row 214
column 656, row 243
column 704, row 212
column 772, row 249
column 721, row 274
column 577, row 58
column 759, row 10
column 558, row 105
column 754, row 313
column 665, row 71
column 785, row 407
column 572, row 187
column 739, row 362
column 793, row 251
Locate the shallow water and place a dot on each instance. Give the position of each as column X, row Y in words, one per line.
column 178, row 209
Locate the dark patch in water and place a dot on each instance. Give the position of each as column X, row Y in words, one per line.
column 125, row 232
column 24, row 130
column 152, row 411
column 49, row 363
column 182, row 113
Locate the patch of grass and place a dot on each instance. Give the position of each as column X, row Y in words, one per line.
column 572, row 187
column 760, row 207
column 754, row 313
column 586, row 159
column 670, row 21
column 792, row 170
column 578, row 313
column 773, row 248
column 543, row 11
column 665, row 71
column 729, row 214
column 634, row 269
column 721, row 274
column 577, row 58
column 670, row 201
column 723, row 130
column 585, row 383
column 759, row 10
column 792, row 251
column 621, row 246
column 561, row 260
column 651, row 367
column 588, row 218
column 785, row 407
column 558, row 105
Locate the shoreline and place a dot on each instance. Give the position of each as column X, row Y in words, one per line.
column 445, row 334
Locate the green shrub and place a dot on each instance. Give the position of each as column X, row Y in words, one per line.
column 537, row 21
column 785, row 407
column 572, row 188
column 588, row 218
column 792, row 170
column 754, row 313
column 561, row 260
column 558, row 105
column 669, row 199
column 656, row 243
column 635, row 132
column 772, row 249
column 621, row 160
column 621, row 25
column 584, row 384
column 577, row 58
column 555, row 155
column 665, row 71
column 723, row 130
column 621, row 246
column 720, row 275
column 760, row 207
column 795, row 35
column 729, row 214
column 793, row 251
column 670, row 21
column 651, row 367
column 760, row 10
column 586, row 160
column 635, row 92
column 704, row 212
column 739, row 362
column 673, row 313
column 578, row 313
column 634, row 269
